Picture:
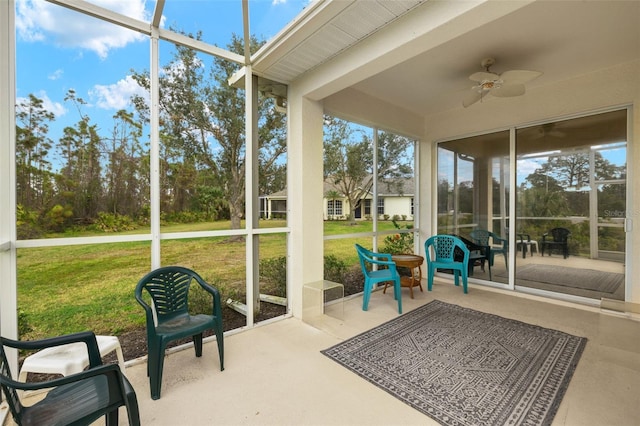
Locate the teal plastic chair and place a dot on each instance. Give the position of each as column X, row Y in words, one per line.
column 369, row 258
column 77, row 399
column 440, row 252
column 168, row 288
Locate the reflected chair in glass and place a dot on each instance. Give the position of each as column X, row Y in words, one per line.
column 80, row 398
column 168, row 288
column 495, row 243
column 478, row 255
column 389, row 272
column 524, row 243
column 440, row 251
column 559, row 239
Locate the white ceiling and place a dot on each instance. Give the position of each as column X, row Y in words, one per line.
column 559, row 38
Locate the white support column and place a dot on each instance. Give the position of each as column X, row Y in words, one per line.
column 8, row 282
column 154, row 152
column 304, row 198
column 251, row 195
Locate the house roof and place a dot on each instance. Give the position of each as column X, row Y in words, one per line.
column 417, row 55
column 386, row 188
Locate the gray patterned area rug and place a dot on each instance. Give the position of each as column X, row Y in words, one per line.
column 464, row 367
column 586, row 279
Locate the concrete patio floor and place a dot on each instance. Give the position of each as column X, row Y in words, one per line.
column 275, row 374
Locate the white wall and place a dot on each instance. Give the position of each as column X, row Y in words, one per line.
column 607, row 88
column 398, row 206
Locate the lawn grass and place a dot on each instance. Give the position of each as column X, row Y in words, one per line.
column 72, row 288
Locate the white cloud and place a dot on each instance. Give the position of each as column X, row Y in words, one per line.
column 277, row 2
column 55, row 107
column 38, row 20
column 117, row 96
column 57, row 74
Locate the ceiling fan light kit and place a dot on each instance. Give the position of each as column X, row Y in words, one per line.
column 505, row 85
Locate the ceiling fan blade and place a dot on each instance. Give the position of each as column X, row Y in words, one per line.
column 508, row 90
column 471, row 98
column 484, row 76
column 519, row 76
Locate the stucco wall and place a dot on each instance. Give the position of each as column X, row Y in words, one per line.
column 612, row 87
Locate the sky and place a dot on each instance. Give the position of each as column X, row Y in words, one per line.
column 58, row 49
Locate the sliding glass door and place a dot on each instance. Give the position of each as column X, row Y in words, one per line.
column 473, row 200
column 571, row 204
column 568, row 232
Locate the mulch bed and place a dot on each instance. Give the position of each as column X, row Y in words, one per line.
column 134, row 343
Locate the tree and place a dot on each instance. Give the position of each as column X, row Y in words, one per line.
column 81, row 180
column 203, row 129
column 125, row 190
column 348, row 162
column 33, row 185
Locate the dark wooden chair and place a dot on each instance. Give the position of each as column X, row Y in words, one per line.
column 556, row 239
column 168, row 289
column 77, row 399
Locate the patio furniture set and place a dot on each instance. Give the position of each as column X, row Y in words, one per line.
column 451, row 253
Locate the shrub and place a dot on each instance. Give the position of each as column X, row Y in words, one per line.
column 334, row 269
column 114, row 222
column 274, row 273
column 353, row 280
column 200, row 301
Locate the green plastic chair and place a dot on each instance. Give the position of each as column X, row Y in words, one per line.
column 77, row 399
column 369, row 258
column 169, row 291
column 440, row 253
column 495, row 243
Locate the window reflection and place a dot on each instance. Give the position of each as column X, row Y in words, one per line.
column 571, row 179
column 570, row 204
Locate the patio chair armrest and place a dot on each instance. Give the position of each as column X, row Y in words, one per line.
column 384, row 262
column 86, row 337
column 72, row 378
column 215, row 293
column 147, row 311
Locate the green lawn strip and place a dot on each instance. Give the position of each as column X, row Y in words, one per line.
column 90, row 287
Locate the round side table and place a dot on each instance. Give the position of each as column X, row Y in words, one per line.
column 411, row 261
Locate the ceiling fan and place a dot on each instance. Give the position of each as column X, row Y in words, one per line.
column 549, row 129
column 507, row 84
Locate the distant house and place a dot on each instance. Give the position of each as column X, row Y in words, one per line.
column 395, row 200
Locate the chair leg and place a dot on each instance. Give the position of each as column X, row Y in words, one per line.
column 111, row 418
column 156, row 363
column 197, row 344
column 133, row 412
column 366, row 296
column 429, row 277
column 464, row 282
column 397, row 289
column 220, row 340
